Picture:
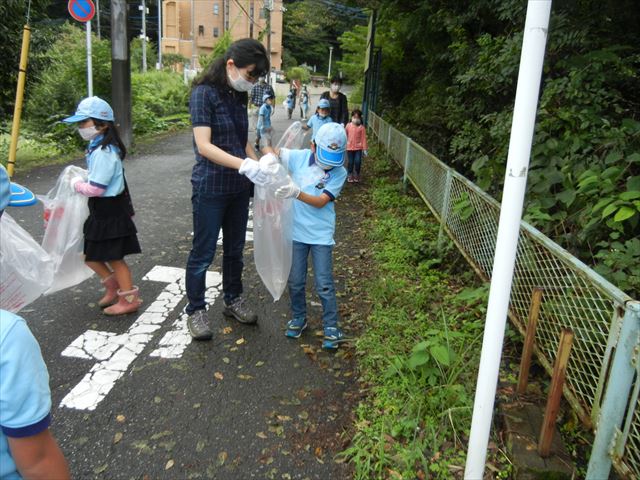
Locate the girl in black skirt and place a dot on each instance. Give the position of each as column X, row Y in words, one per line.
column 109, row 232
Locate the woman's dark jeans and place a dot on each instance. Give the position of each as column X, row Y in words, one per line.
column 211, row 212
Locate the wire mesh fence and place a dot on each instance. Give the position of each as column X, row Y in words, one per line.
column 574, row 296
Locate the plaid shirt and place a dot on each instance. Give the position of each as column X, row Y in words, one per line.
column 225, row 112
column 258, row 91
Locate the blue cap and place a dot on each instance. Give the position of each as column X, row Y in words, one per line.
column 12, row 194
column 91, row 107
column 324, row 103
column 331, row 143
column 266, row 96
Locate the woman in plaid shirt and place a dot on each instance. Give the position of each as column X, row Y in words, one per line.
column 222, row 178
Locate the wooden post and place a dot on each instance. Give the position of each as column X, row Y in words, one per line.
column 555, row 393
column 529, row 338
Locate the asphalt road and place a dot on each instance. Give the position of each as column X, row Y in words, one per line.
column 133, row 398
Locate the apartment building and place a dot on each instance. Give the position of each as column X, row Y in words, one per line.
column 211, row 18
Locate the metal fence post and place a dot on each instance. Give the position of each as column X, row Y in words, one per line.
column 407, row 163
column 444, row 212
column 614, row 405
column 388, row 145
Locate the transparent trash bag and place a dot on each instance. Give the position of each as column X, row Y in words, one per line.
column 26, row 270
column 272, row 229
column 65, row 212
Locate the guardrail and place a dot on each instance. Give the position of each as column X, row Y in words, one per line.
column 574, row 296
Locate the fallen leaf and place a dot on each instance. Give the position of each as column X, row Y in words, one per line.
column 222, row 457
column 100, row 469
column 283, row 418
column 259, row 364
column 200, row 446
column 120, row 418
column 244, row 377
column 218, row 376
column 197, row 405
column 157, row 399
column 318, row 452
column 227, row 330
column 169, row 464
column 225, row 359
column 240, row 341
column 303, row 415
column 117, row 437
column 261, row 435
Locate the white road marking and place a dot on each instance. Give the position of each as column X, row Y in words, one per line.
column 114, row 353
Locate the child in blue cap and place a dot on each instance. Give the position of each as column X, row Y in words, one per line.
column 317, row 178
column 321, row 117
column 27, row 448
column 109, row 232
column 263, row 127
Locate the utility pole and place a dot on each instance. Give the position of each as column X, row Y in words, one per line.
column 268, row 6
column 159, row 66
column 89, row 61
column 194, row 50
column 121, row 70
column 98, row 18
column 330, row 54
column 143, row 35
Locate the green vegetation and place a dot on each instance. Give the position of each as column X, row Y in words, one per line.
column 448, row 81
column 424, row 331
column 298, row 73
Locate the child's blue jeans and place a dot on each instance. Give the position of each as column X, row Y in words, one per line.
column 355, row 159
column 322, row 258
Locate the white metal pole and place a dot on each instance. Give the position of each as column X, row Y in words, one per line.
column 330, row 54
column 159, row 66
column 144, row 36
column 194, row 50
column 524, row 116
column 89, row 64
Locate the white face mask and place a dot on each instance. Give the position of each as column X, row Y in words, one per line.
column 239, row 84
column 355, row 120
column 88, row 133
column 335, row 87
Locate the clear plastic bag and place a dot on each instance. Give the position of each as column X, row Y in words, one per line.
column 26, row 269
column 65, row 212
column 272, row 228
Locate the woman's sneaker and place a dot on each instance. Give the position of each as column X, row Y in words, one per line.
column 198, row 325
column 333, row 337
column 239, row 310
column 295, row 327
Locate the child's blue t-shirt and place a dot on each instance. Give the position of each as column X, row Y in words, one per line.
column 264, row 116
column 315, row 122
column 105, row 168
column 313, row 225
column 25, row 398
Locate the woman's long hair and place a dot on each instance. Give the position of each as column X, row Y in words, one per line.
column 244, row 52
column 111, row 136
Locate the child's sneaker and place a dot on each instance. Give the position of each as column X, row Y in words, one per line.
column 295, row 327
column 350, row 179
column 356, row 178
column 333, row 336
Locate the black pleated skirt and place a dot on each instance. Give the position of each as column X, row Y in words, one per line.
column 109, row 231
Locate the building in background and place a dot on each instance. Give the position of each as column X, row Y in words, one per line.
column 212, row 18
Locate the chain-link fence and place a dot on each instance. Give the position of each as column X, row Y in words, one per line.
column 574, row 296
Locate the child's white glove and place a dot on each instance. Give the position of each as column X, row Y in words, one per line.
column 251, row 169
column 74, row 181
column 291, row 190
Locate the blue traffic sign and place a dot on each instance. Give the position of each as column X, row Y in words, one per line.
column 82, row 10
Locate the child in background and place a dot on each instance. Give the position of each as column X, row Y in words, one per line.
column 27, row 448
column 304, row 103
column 318, row 119
column 263, row 127
column 109, row 232
column 290, row 103
column 356, row 145
column 314, row 222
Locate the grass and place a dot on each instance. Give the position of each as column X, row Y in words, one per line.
column 419, row 353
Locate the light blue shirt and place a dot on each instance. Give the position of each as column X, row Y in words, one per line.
column 264, row 117
column 313, row 225
column 105, row 168
column 315, row 122
column 25, row 398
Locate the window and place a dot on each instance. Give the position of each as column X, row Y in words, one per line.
column 201, row 30
column 262, row 13
column 216, row 32
column 216, row 9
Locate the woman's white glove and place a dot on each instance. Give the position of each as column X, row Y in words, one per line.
column 251, row 169
column 291, row 190
column 267, row 161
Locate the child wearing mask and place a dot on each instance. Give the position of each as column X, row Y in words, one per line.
column 319, row 118
column 356, row 146
column 317, row 177
column 263, row 127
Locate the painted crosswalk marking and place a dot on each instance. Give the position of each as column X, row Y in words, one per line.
column 114, row 353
